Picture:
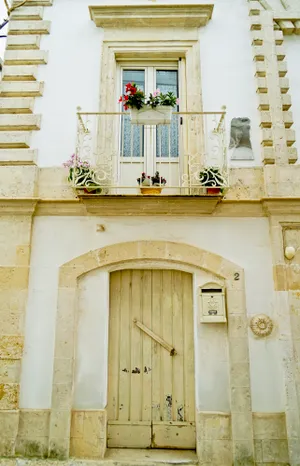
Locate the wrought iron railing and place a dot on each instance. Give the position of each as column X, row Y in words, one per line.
column 190, row 153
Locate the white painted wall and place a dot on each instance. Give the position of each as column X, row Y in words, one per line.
column 244, row 242
column 72, row 75
column 292, row 48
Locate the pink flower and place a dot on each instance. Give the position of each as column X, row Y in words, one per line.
column 156, row 93
column 177, row 101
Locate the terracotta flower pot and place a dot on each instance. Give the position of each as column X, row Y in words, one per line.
column 213, row 190
column 151, row 191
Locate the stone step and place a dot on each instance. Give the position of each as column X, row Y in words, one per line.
column 26, row 13
column 18, row 157
column 21, row 89
column 19, row 73
column 25, row 57
column 16, row 105
column 24, row 42
column 29, row 27
column 20, row 122
column 15, row 139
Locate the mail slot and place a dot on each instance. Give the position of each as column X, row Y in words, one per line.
column 212, row 303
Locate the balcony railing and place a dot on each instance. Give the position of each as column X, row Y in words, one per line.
column 118, row 152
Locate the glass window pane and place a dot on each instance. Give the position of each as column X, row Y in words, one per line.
column 132, row 137
column 167, row 137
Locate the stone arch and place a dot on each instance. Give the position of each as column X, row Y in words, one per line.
column 174, row 253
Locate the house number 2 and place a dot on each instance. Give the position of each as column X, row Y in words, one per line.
column 236, row 276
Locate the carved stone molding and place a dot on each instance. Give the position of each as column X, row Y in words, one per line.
column 155, row 15
column 261, row 325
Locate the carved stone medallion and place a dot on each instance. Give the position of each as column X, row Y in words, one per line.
column 261, row 325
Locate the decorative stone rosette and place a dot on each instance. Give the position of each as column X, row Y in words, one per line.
column 261, row 325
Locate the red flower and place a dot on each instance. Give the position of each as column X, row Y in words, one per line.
column 126, row 97
column 120, row 99
column 126, row 107
column 133, row 90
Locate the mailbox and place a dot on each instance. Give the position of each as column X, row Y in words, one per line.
column 212, row 303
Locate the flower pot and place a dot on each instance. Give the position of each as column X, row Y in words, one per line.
column 92, row 190
column 161, row 115
column 151, row 191
column 213, row 190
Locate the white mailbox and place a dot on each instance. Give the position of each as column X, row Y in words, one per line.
column 212, row 303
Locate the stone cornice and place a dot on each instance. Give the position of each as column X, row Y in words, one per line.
column 120, row 16
column 183, row 206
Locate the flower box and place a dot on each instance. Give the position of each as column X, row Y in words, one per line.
column 160, row 115
column 151, row 191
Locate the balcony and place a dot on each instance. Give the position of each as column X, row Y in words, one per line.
column 190, row 154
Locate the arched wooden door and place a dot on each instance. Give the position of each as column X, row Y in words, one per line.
column 151, row 389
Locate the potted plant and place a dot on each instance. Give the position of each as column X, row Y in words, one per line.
column 151, row 185
column 156, row 110
column 212, row 179
column 82, row 175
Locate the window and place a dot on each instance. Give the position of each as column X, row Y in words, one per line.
column 150, row 148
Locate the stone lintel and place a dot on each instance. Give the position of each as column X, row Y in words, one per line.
column 156, row 15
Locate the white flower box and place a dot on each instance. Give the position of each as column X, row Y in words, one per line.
column 161, row 115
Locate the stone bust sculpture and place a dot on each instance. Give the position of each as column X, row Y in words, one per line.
column 240, row 133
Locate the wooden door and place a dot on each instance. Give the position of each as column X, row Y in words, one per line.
column 151, row 394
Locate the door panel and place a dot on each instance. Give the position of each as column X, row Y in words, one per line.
column 151, row 399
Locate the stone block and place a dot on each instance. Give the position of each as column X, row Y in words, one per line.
column 19, row 73
column 238, row 350
column 18, row 156
column 275, row 450
column 241, row 426
column 88, row 434
column 16, row 105
column 239, row 374
column 21, row 89
column 213, row 426
column 14, row 302
column 7, row 448
column 63, row 370
column 34, row 423
column 14, row 278
column 31, row 42
column 20, row 122
column 269, row 426
column 237, row 326
column 216, row 452
column 25, row 57
column 25, row 13
column 29, row 27
column 11, row 323
column 14, row 140
column 11, row 346
column 9, row 421
column 32, row 448
column 10, row 370
column 19, row 182
column 9, row 396
column 60, row 423
column 62, row 396
column 240, row 400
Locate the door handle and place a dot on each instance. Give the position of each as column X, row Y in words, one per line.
column 156, row 338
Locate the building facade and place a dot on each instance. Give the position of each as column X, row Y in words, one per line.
column 139, row 321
